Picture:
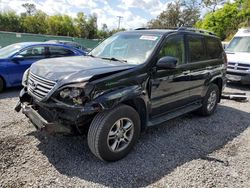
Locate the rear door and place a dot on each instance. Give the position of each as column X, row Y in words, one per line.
column 205, row 56
column 197, row 64
column 60, row 51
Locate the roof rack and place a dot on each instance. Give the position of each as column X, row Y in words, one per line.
column 191, row 29
column 196, row 30
column 145, row 28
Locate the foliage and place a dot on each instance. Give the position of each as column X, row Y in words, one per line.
column 38, row 22
column 225, row 21
column 177, row 14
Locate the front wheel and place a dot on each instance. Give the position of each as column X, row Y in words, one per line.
column 113, row 133
column 210, row 101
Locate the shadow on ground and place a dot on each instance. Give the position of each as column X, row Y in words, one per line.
column 160, row 149
column 235, row 85
column 10, row 92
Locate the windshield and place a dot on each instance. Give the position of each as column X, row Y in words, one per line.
column 10, row 50
column 239, row 44
column 129, row 48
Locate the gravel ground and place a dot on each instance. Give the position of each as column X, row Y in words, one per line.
column 190, row 151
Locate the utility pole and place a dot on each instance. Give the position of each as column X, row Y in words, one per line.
column 119, row 21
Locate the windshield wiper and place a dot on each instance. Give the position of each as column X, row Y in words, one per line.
column 114, row 59
column 90, row 55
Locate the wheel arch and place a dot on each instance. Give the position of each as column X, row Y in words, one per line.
column 140, row 106
column 4, row 81
column 219, row 82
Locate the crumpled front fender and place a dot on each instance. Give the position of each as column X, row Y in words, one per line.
column 113, row 98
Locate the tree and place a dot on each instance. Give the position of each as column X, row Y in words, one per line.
column 61, row 25
column 81, row 25
column 225, row 21
column 177, row 14
column 92, row 26
column 30, row 9
column 36, row 23
column 9, row 21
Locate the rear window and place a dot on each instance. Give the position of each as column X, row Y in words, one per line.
column 196, row 49
column 214, row 49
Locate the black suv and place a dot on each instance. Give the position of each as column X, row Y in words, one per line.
column 131, row 81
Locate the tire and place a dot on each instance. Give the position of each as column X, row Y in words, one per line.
column 109, row 143
column 1, row 84
column 210, row 101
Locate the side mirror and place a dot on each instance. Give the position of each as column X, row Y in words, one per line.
column 167, row 62
column 17, row 58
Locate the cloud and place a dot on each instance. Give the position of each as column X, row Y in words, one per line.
column 106, row 10
column 108, row 15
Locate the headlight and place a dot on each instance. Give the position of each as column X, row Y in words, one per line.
column 75, row 94
column 25, row 77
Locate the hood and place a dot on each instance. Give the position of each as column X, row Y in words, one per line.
column 238, row 57
column 75, row 69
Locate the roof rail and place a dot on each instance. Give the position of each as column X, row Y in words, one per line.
column 196, row 30
column 183, row 28
column 145, row 28
column 141, row 28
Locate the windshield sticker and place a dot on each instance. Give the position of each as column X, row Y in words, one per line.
column 148, row 37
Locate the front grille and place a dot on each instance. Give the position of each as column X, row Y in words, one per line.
column 39, row 87
column 238, row 66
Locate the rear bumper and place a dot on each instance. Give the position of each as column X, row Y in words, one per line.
column 238, row 77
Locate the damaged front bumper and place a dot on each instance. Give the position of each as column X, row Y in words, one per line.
column 55, row 117
column 39, row 122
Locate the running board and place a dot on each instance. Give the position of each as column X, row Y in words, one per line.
column 174, row 114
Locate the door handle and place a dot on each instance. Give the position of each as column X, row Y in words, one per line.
column 186, row 72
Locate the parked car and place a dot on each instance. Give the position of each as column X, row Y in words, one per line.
column 132, row 80
column 16, row 58
column 238, row 55
column 225, row 44
column 71, row 43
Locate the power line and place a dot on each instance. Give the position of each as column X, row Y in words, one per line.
column 119, row 21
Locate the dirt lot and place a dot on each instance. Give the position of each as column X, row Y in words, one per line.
column 190, row 151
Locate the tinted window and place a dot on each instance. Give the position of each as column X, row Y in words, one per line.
column 213, row 48
column 34, row 52
column 196, row 49
column 174, row 47
column 58, row 51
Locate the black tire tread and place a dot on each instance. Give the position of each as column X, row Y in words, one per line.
column 97, row 125
column 203, row 111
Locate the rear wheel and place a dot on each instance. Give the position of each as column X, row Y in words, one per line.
column 113, row 133
column 210, row 101
column 1, row 84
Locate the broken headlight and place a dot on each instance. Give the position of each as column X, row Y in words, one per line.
column 75, row 94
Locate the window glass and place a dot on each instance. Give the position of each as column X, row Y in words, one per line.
column 34, row 52
column 132, row 48
column 174, row 47
column 58, row 51
column 239, row 44
column 213, row 48
column 196, row 49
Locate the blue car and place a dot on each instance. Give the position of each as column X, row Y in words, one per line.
column 16, row 58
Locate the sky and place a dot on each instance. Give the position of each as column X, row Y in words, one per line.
column 135, row 13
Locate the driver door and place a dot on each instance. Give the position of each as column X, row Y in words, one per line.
column 170, row 87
